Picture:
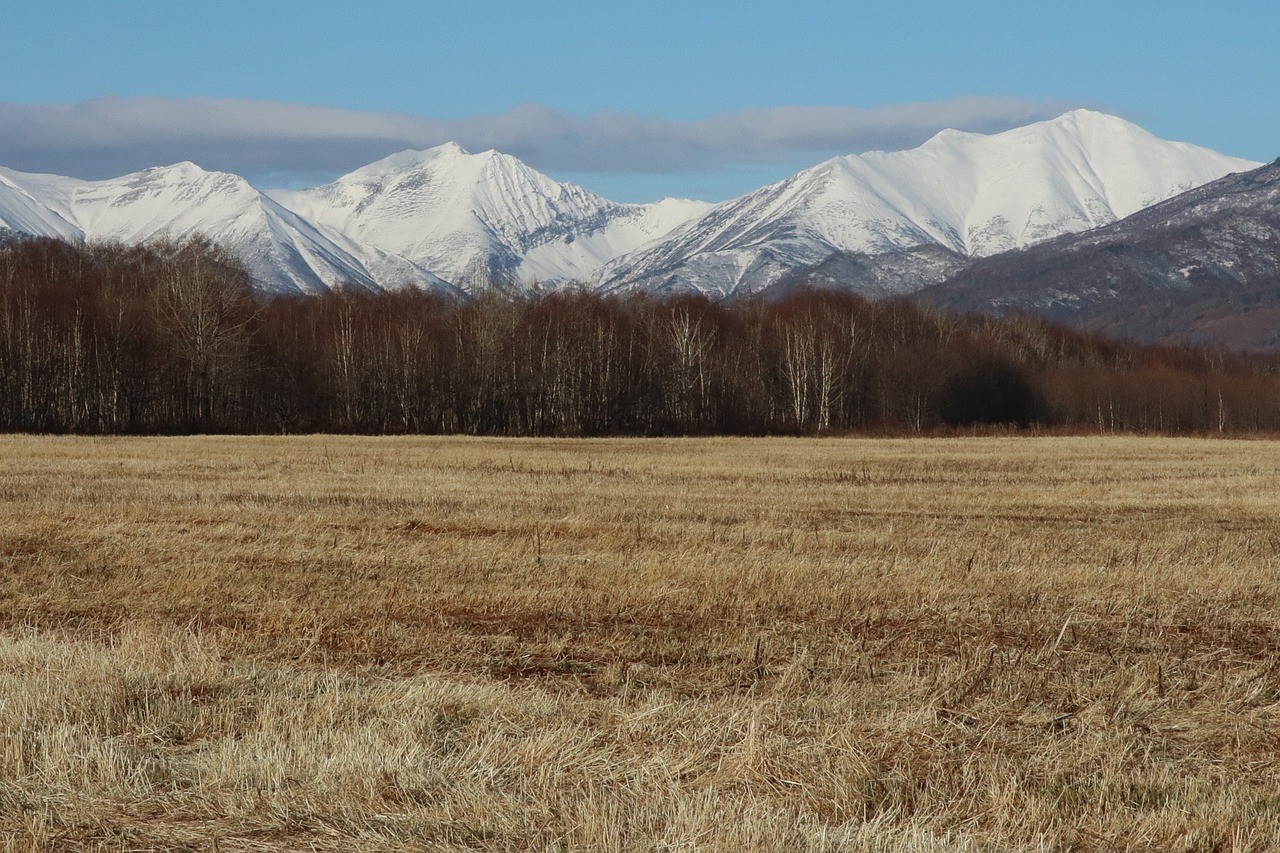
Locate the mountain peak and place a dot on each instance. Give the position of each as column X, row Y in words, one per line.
column 183, row 169
column 1078, row 121
column 1086, row 121
column 1087, row 115
column 409, row 160
column 184, row 173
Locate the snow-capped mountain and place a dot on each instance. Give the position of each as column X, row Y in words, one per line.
column 1203, row 266
column 283, row 252
column 477, row 219
column 880, row 223
column 970, row 194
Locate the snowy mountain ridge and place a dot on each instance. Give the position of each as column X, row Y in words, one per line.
column 481, row 218
column 283, row 252
column 970, row 194
column 448, row 220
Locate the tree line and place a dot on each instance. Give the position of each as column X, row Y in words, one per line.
column 170, row 338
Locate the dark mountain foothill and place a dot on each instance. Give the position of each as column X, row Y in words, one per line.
column 1201, row 268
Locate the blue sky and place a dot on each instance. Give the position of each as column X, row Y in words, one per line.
column 635, row 101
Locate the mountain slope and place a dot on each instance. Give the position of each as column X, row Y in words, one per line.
column 969, row 194
column 25, row 207
column 1201, row 267
column 477, row 219
column 284, row 253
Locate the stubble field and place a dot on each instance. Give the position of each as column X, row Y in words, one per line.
column 355, row 644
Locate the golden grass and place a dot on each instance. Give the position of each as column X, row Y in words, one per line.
column 342, row 644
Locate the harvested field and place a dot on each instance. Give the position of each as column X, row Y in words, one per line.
column 360, row 644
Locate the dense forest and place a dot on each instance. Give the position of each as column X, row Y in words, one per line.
column 170, row 338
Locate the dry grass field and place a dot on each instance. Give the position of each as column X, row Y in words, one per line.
column 355, row 644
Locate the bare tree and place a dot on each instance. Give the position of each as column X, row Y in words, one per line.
column 204, row 303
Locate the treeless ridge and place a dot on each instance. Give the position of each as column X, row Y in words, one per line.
column 328, row 643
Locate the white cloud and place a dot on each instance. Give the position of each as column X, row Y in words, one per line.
column 273, row 142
